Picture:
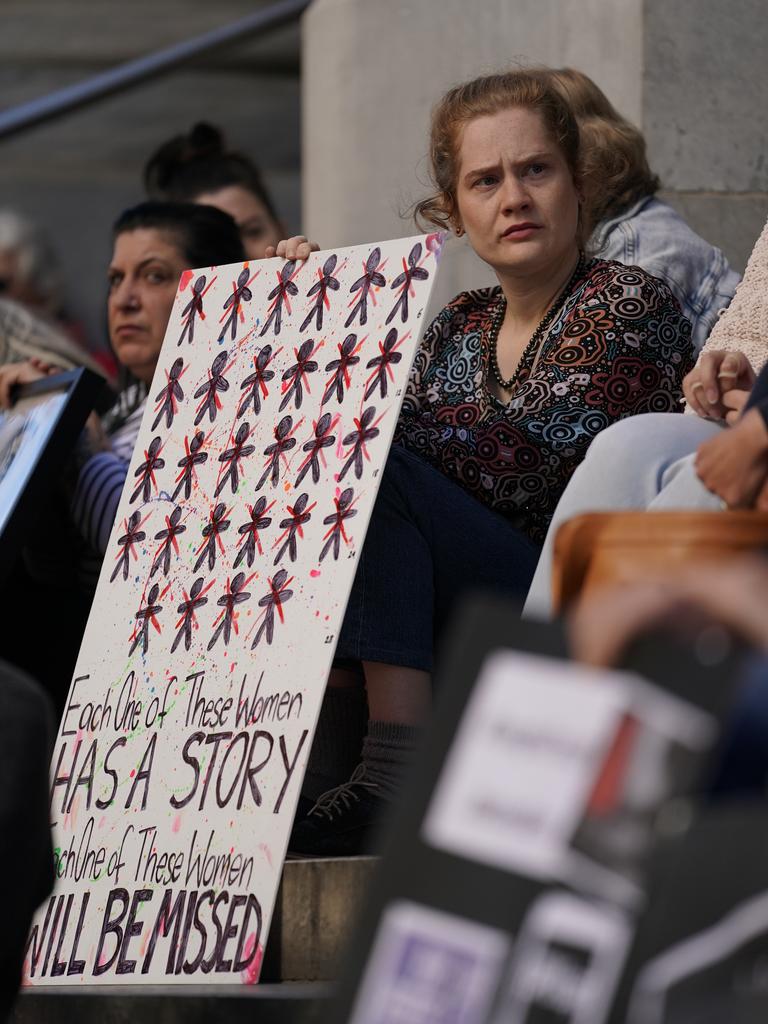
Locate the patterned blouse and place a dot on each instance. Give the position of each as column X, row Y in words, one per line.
column 619, row 346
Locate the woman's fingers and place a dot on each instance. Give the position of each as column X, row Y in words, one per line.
column 735, row 372
column 703, row 386
column 734, row 402
column 693, row 395
column 13, row 374
column 295, row 248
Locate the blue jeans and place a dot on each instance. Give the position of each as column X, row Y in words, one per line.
column 428, row 544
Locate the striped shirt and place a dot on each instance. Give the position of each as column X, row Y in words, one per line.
column 101, row 480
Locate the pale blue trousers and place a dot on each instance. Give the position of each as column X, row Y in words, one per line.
column 643, row 462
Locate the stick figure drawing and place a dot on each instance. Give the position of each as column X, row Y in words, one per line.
column 280, row 296
column 371, row 279
column 173, row 527
column 208, row 392
column 145, row 615
column 275, row 452
column 320, row 288
column 365, row 430
column 323, row 438
column 341, row 367
column 188, row 621
column 234, row 303
column 250, row 531
column 146, row 471
column 382, row 365
column 255, row 385
column 298, row 516
column 133, row 535
column 168, row 398
column 193, row 309
column 272, row 602
column 411, row 272
column 193, row 457
column 226, row 621
column 337, row 533
column 231, row 459
column 216, row 525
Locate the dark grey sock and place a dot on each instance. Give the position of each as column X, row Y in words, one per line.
column 336, row 747
column 388, row 749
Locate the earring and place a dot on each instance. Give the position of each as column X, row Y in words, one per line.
column 459, row 231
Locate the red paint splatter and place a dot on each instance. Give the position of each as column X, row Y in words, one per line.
column 314, row 572
column 251, row 973
column 186, row 277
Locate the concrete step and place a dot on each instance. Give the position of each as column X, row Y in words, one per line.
column 316, row 909
column 173, row 1004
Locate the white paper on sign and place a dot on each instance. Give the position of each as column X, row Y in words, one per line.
column 430, row 967
column 517, row 778
column 190, row 717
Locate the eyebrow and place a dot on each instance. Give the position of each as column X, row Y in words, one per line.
column 529, row 159
column 143, row 264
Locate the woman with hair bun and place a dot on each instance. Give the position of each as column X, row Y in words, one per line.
column 509, row 386
column 199, row 168
column 632, row 225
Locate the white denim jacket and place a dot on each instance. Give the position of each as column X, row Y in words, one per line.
column 651, row 235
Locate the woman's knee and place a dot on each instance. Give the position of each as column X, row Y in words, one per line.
column 647, row 442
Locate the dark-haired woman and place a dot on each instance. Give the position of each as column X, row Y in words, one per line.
column 153, row 243
column 199, row 168
column 508, row 389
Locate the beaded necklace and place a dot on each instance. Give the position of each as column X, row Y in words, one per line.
column 538, row 335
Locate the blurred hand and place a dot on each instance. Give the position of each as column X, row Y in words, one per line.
column 295, row 248
column 14, row 374
column 734, row 464
column 734, row 402
column 729, row 594
column 96, row 439
column 714, row 374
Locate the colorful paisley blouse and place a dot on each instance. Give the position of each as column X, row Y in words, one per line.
column 619, row 346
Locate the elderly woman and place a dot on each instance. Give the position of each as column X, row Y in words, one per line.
column 509, row 387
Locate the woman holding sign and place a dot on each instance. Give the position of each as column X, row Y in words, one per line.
column 508, row 389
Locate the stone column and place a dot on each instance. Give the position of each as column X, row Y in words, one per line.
column 691, row 73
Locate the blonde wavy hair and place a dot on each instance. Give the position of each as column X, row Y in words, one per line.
column 614, row 165
column 530, row 88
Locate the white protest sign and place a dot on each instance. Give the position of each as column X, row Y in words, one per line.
column 546, row 747
column 191, row 713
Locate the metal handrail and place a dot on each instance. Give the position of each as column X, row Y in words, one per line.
column 106, row 83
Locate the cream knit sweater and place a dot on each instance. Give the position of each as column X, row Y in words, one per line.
column 744, row 324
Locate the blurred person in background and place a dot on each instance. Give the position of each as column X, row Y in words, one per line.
column 153, row 243
column 633, row 225
column 684, row 605
column 713, row 459
column 33, row 319
column 200, row 168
